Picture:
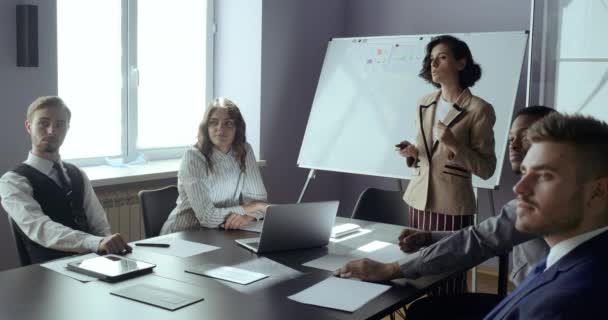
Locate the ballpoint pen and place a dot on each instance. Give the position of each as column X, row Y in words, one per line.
column 149, row 244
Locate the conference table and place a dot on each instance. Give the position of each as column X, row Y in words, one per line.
column 35, row 292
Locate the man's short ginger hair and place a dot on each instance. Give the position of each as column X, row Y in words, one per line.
column 46, row 102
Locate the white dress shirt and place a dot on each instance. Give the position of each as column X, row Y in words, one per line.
column 206, row 199
column 18, row 201
column 441, row 111
column 564, row 247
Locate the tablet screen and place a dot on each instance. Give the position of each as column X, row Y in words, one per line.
column 111, row 265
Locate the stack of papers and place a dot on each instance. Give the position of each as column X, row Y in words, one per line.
column 344, row 229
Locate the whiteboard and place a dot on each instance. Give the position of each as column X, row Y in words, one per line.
column 365, row 101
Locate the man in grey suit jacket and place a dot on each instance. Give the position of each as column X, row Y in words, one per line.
column 563, row 197
column 470, row 246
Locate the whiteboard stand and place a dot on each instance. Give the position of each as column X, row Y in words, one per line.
column 474, row 269
column 311, row 175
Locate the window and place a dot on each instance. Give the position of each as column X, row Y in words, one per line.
column 136, row 75
column 571, row 63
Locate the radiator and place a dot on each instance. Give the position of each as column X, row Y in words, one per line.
column 124, row 213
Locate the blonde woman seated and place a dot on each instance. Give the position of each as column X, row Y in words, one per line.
column 218, row 181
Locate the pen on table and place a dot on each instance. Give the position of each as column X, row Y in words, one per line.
column 149, row 244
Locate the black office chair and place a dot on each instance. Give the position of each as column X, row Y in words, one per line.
column 156, row 205
column 24, row 257
column 385, row 206
column 503, row 275
column 468, row 306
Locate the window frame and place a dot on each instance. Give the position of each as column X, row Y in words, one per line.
column 130, row 79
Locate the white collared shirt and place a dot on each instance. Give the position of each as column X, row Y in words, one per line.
column 441, row 111
column 564, row 247
column 18, row 201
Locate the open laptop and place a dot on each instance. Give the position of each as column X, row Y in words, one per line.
column 294, row 226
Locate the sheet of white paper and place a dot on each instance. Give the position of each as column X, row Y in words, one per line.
column 60, row 266
column 237, row 275
column 177, row 247
column 330, row 262
column 376, row 250
column 380, row 251
column 342, row 294
column 277, row 273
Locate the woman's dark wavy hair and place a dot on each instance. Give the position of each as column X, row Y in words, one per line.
column 204, row 144
column 466, row 77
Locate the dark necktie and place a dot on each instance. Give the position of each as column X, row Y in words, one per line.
column 65, row 185
column 79, row 217
column 538, row 269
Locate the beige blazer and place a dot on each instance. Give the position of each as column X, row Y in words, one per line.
column 441, row 180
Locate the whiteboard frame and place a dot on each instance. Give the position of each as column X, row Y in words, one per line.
column 501, row 135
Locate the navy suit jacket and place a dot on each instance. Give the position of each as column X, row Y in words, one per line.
column 573, row 288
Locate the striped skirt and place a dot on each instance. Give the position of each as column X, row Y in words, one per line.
column 435, row 221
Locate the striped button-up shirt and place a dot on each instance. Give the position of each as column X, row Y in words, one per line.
column 207, row 198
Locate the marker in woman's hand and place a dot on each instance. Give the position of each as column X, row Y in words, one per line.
column 402, row 145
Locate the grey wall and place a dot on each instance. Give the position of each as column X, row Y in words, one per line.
column 238, row 58
column 18, row 87
column 294, row 39
column 387, row 17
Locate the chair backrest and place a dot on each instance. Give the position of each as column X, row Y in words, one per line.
column 156, row 205
column 385, row 206
column 503, row 275
column 24, row 257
